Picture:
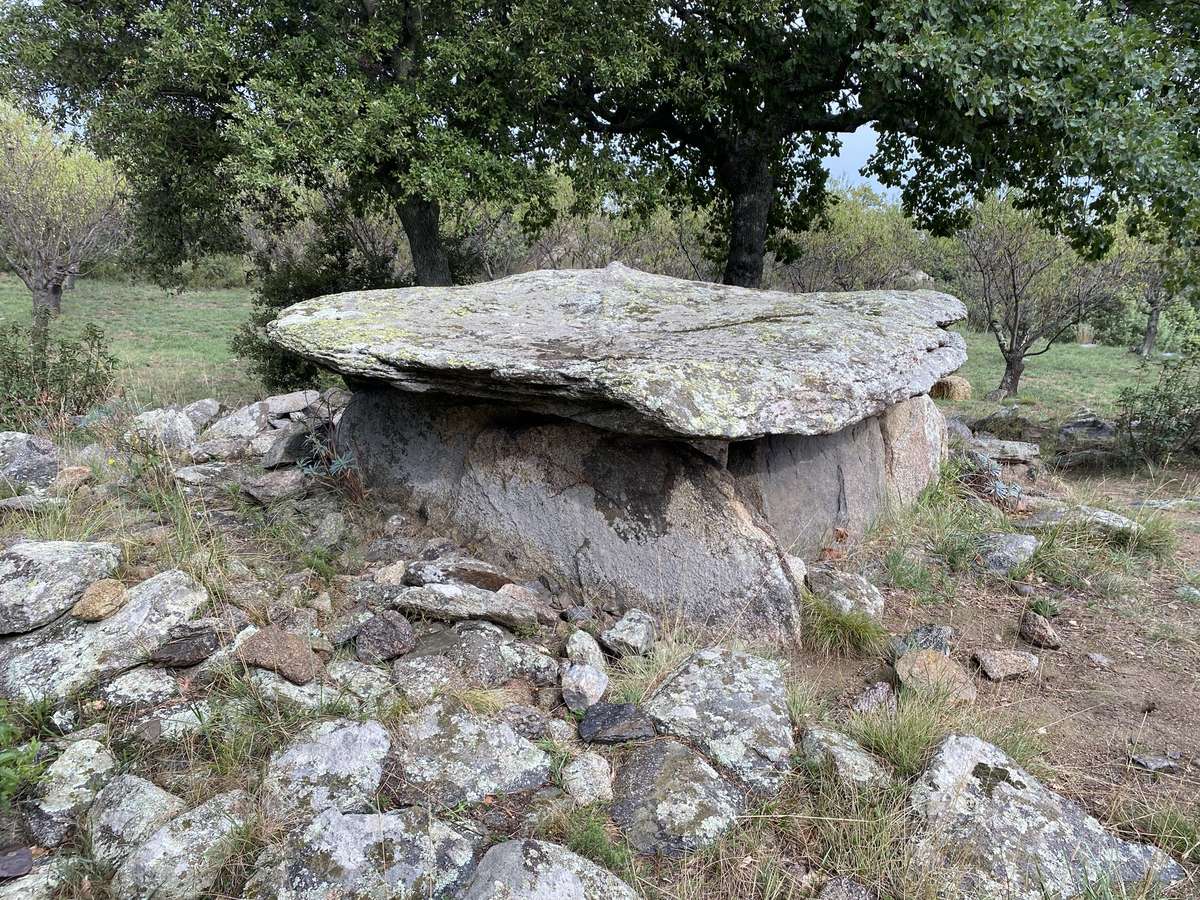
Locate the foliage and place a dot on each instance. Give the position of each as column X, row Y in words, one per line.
column 72, row 378
column 19, row 766
column 1160, row 420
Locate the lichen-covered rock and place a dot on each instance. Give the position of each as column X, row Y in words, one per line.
column 277, row 486
column 202, row 413
column 1003, row 665
column 487, row 655
column 126, row 812
column 26, row 462
column 161, row 429
column 365, row 687
column 251, row 420
column 842, row 757
column 842, row 888
column 181, row 859
column 668, row 800
column 537, row 870
column 733, row 706
column 1104, row 522
column 845, row 592
column 449, row 569
column 1011, row 838
column 444, row 758
column 582, row 648
column 616, row 723
column 402, row 854
column 41, row 580
column 331, row 765
column 46, row 882
column 923, row 637
column 458, row 602
column 68, row 655
column 420, row 679
column 932, row 673
column 636, row 352
column 67, row 789
column 631, row 635
column 588, row 779
column 583, row 685
column 384, row 636
column 1003, row 553
column 914, row 446
column 143, row 686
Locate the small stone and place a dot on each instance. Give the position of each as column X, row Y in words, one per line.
column 824, row 749
column 588, row 779
column 329, row 533
column 1159, row 765
column 384, row 636
column 70, row 479
column 577, row 614
column 930, row 672
column 616, row 723
column 1003, row 665
column 187, row 645
column 878, row 697
column 100, row 600
column 277, row 486
column 1001, row 554
column 41, row 580
column 842, row 888
column 632, row 635
column 1036, row 629
column 537, row 870
column 287, row 446
column 126, row 812
column 582, row 648
column 332, row 765
column 924, row 637
column 15, row 862
column 419, row 680
column 845, row 592
column 528, row 722
column 1099, row 660
column 171, row 722
column 143, row 686
column 582, row 686
column 367, row 687
column 458, row 602
column 279, row 651
column 26, row 461
column 455, row 568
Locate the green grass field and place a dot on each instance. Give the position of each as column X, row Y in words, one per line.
column 174, row 347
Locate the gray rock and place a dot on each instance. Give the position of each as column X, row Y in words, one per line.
column 332, row 765
column 444, row 758
column 277, row 486
column 733, row 706
column 930, row 672
column 844, row 889
column 287, row 446
column 329, row 533
column 126, row 812
column 842, row 757
column 588, row 779
column 249, row 421
column 187, row 645
column 182, row 859
column 616, row 723
column 161, row 429
column 31, row 503
column 172, row 721
column 670, row 801
column 632, row 635
column 1158, row 765
column 1004, row 665
column 655, row 355
column 914, row 442
column 452, row 568
column 1003, row 553
column 26, row 462
column 69, row 655
column 1036, row 629
column 202, row 413
column 458, row 602
column 880, row 696
column 41, row 580
column 923, row 637
column 1011, row 838
column 384, row 636
column 67, row 789
column 1101, row 521
column 582, row 648
column 368, row 688
column 46, row 882
column 845, row 592
column 143, row 686
column 537, row 870
column 398, row 854
column 488, row 656
column 583, row 685
column 420, row 679
column 1008, row 453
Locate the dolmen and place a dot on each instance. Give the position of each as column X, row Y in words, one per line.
column 637, row 439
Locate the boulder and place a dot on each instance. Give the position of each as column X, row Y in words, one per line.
column 405, row 853
column 733, row 706
column 161, row 429
column 182, row 859
column 631, row 635
column 669, row 801
column 845, row 592
column 914, row 445
column 69, row 655
column 125, row 813
column 616, row 723
column 41, row 580
column 457, row 602
column 332, row 765
column 202, row 413
column 66, row 790
column 841, row 757
column 537, row 870
column 444, row 758
column 26, row 462
column 1010, row 838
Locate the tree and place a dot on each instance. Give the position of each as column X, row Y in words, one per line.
column 61, row 211
column 736, row 103
column 1030, row 284
column 215, row 107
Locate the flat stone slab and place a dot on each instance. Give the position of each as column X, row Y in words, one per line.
column 640, row 353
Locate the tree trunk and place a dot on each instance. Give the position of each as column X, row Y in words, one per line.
column 46, row 303
column 1014, row 368
column 421, row 219
column 751, row 187
column 48, row 296
column 1150, row 338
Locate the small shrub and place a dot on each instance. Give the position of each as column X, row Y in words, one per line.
column 72, row 378
column 1162, row 420
column 19, row 766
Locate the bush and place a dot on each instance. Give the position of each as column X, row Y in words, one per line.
column 1161, row 420
column 74, row 377
column 19, row 766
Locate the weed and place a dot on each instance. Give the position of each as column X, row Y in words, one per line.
column 830, row 631
column 587, row 831
column 634, row 678
column 805, row 704
column 1172, row 826
column 19, row 765
column 906, row 573
column 1045, row 607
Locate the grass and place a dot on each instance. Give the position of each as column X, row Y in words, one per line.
column 1170, row 825
column 828, row 630
column 174, row 347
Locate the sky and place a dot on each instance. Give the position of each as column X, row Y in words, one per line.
column 856, row 148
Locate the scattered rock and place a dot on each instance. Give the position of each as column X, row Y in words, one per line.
column 670, row 801
column 26, row 462
column 1003, row 665
column 488, row 656
column 458, row 602
column 1007, row 453
column 126, row 812
column 288, row 446
column 1036, row 629
column 182, row 859
column 1099, row 660
column 527, row 721
column 70, row 480
column 830, row 751
column 367, row 687
column 161, row 429
column 845, row 592
column 632, row 635
column 14, row 862
column 1158, row 765
column 923, row 637
column 332, row 765
column 930, row 672
column 877, row 697
column 143, row 686
column 100, row 600
column 1010, row 837
column 445, row 758
column 67, row 789
column 279, row 651
column 582, row 648
column 329, row 532
column 249, row 421
column 420, row 679
column 202, row 413
column 41, row 580
column 588, row 779
column 405, row 853
column 1003, row 553
column 951, row 387
column 455, row 568
column 171, row 722
column 537, row 870
column 1101, row 521
column 616, row 723
column 384, row 636
column 733, row 706
column 187, row 645
column 582, row 686
column 277, row 486
column 842, row 888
